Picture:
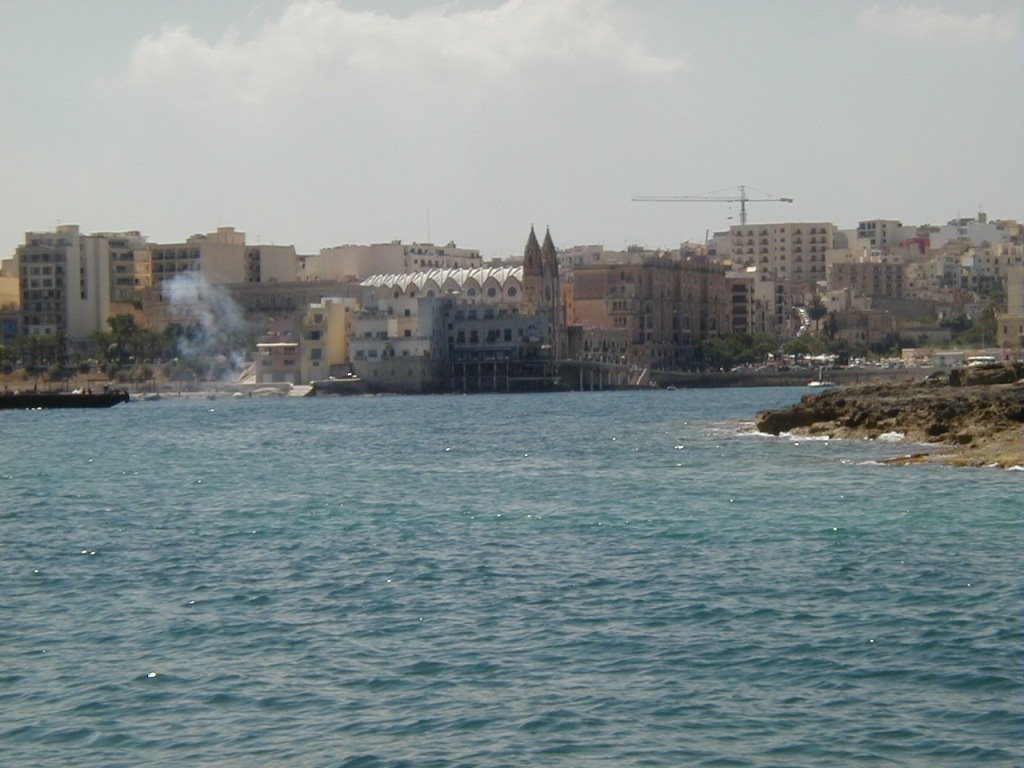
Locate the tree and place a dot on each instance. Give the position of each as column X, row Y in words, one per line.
column 804, row 345
column 831, row 326
column 816, row 311
column 735, row 349
column 123, row 327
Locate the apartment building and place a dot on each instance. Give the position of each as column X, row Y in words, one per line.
column 882, row 234
column 874, row 278
column 221, row 257
column 397, row 341
column 756, row 302
column 663, row 306
column 326, row 330
column 794, row 252
column 278, row 353
column 69, row 282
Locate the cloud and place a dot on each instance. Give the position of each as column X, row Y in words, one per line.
column 320, row 43
column 911, row 22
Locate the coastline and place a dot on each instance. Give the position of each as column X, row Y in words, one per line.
column 976, row 419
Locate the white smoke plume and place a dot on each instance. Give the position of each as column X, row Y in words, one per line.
column 214, row 339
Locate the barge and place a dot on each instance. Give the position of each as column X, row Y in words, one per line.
column 47, row 400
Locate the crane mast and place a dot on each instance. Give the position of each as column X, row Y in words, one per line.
column 742, row 199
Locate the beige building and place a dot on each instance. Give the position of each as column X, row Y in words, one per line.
column 794, row 252
column 1010, row 326
column 358, row 262
column 277, row 361
column 221, row 257
column 664, row 307
column 869, row 278
column 756, row 302
column 278, row 355
column 10, row 292
column 70, row 283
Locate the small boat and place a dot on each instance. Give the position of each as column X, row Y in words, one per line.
column 820, row 381
column 47, row 400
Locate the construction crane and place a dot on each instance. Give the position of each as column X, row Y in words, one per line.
column 742, row 200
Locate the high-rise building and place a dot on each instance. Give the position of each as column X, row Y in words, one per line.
column 69, row 281
column 792, row 252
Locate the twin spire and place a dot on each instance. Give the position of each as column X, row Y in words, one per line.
column 536, row 257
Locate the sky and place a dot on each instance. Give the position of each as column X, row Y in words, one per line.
column 324, row 122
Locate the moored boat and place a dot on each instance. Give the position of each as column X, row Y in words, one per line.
column 47, row 400
column 821, row 381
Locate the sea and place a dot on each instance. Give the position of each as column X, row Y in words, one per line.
column 568, row 579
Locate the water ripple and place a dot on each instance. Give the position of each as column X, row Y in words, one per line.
column 322, row 584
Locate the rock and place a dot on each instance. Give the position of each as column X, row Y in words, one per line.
column 982, row 421
column 991, row 373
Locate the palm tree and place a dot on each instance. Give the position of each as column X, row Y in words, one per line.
column 816, row 311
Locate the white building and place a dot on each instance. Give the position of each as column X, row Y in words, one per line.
column 413, row 327
column 881, row 234
column 975, row 231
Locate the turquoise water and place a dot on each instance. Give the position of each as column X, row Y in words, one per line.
column 601, row 579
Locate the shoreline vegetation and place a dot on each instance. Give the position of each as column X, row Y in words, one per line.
column 970, row 417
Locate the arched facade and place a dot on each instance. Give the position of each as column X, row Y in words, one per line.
column 479, row 285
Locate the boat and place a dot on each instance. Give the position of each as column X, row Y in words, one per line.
column 46, row 400
column 821, row 382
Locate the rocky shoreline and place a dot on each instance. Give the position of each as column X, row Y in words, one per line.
column 973, row 416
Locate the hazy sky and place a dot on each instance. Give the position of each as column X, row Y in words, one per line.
column 322, row 122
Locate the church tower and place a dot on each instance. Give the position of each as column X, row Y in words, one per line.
column 533, row 274
column 552, row 300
